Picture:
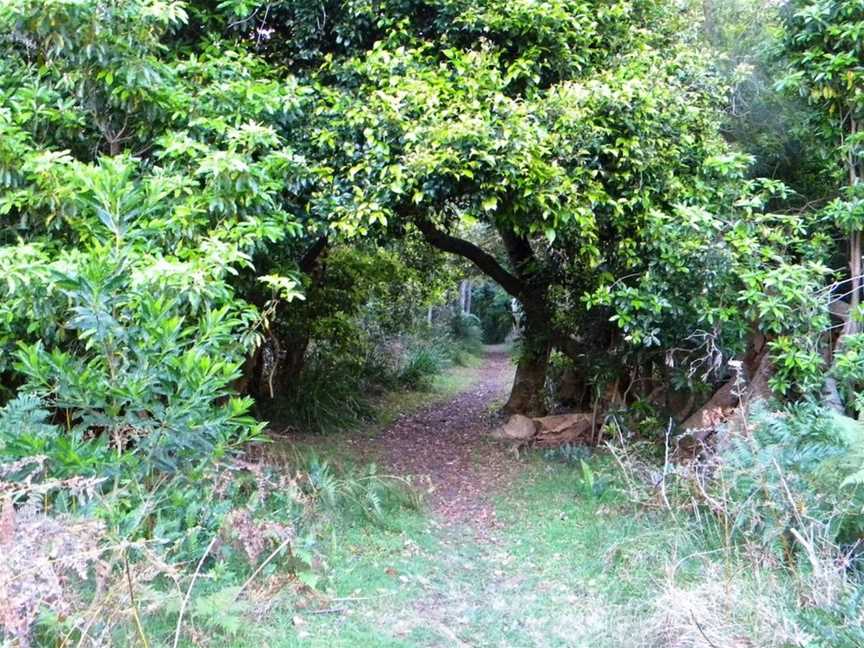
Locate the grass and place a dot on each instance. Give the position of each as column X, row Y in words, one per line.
column 579, row 560
column 584, row 555
column 386, row 408
column 571, row 566
column 441, row 387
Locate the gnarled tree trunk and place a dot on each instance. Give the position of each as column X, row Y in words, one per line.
column 525, row 284
column 529, row 386
column 527, row 395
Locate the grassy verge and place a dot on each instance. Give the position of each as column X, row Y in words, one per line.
column 586, row 555
column 441, row 387
column 576, row 563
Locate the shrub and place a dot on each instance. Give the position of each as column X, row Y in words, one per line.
column 789, row 479
column 422, row 362
column 73, row 574
column 494, row 310
column 848, row 369
column 466, row 329
column 839, row 624
column 332, row 395
column 43, row 557
column 146, row 368
column 336, row 389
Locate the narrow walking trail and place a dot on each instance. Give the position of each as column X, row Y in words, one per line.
column 445, row 446
column 512, row 553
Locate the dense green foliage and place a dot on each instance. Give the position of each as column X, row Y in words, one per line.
column 247, row 198
column 217, row 217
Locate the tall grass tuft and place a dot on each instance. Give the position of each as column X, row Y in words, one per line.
column 329, row 398
column 421, row 364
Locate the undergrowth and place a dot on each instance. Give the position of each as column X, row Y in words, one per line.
column 128, row 572
column 776, row 516
column 290, row 547
column 336, row 393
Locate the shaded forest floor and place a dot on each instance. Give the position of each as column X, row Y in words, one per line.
column 509, row 551
column 439, row 440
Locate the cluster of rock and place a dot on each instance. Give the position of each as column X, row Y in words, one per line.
column 547, row 431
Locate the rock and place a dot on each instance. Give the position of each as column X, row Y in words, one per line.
column 547, row 431
column 564, row 428
column 517, row 428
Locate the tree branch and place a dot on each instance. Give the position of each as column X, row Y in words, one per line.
column 518, row 249
column 482, row 259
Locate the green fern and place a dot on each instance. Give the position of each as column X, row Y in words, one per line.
column 797, row 467
column 367, row 493
column 26, row 414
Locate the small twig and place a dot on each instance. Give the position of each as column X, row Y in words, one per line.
column 701, row 631
column 86, row 630
column 276, row 551
column 240, row 21
column 328, row 611
column 364, row 598
column 135, row 615
column 630, row 483
column 189, row 589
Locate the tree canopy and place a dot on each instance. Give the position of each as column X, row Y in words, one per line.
column 208, row 158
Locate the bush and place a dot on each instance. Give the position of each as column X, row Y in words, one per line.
column 336, row 390
column 466, row 328
column 848, row 369
column 838, row 625
column 494, row 310
column 145, row 370
column 790, row 479
column 422, row 363
column 332, row 395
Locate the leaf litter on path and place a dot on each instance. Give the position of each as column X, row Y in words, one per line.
column 446, row 445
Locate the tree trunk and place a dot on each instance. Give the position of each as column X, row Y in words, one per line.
column 293, row 362
column 528, row 395
column 275, row 367
column 855, row 271
column 848, row 316
column 841, row 312
column 524, row 284
column 709, row 22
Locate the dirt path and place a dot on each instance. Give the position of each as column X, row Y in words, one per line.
column 445, row 446
column 461, row 576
